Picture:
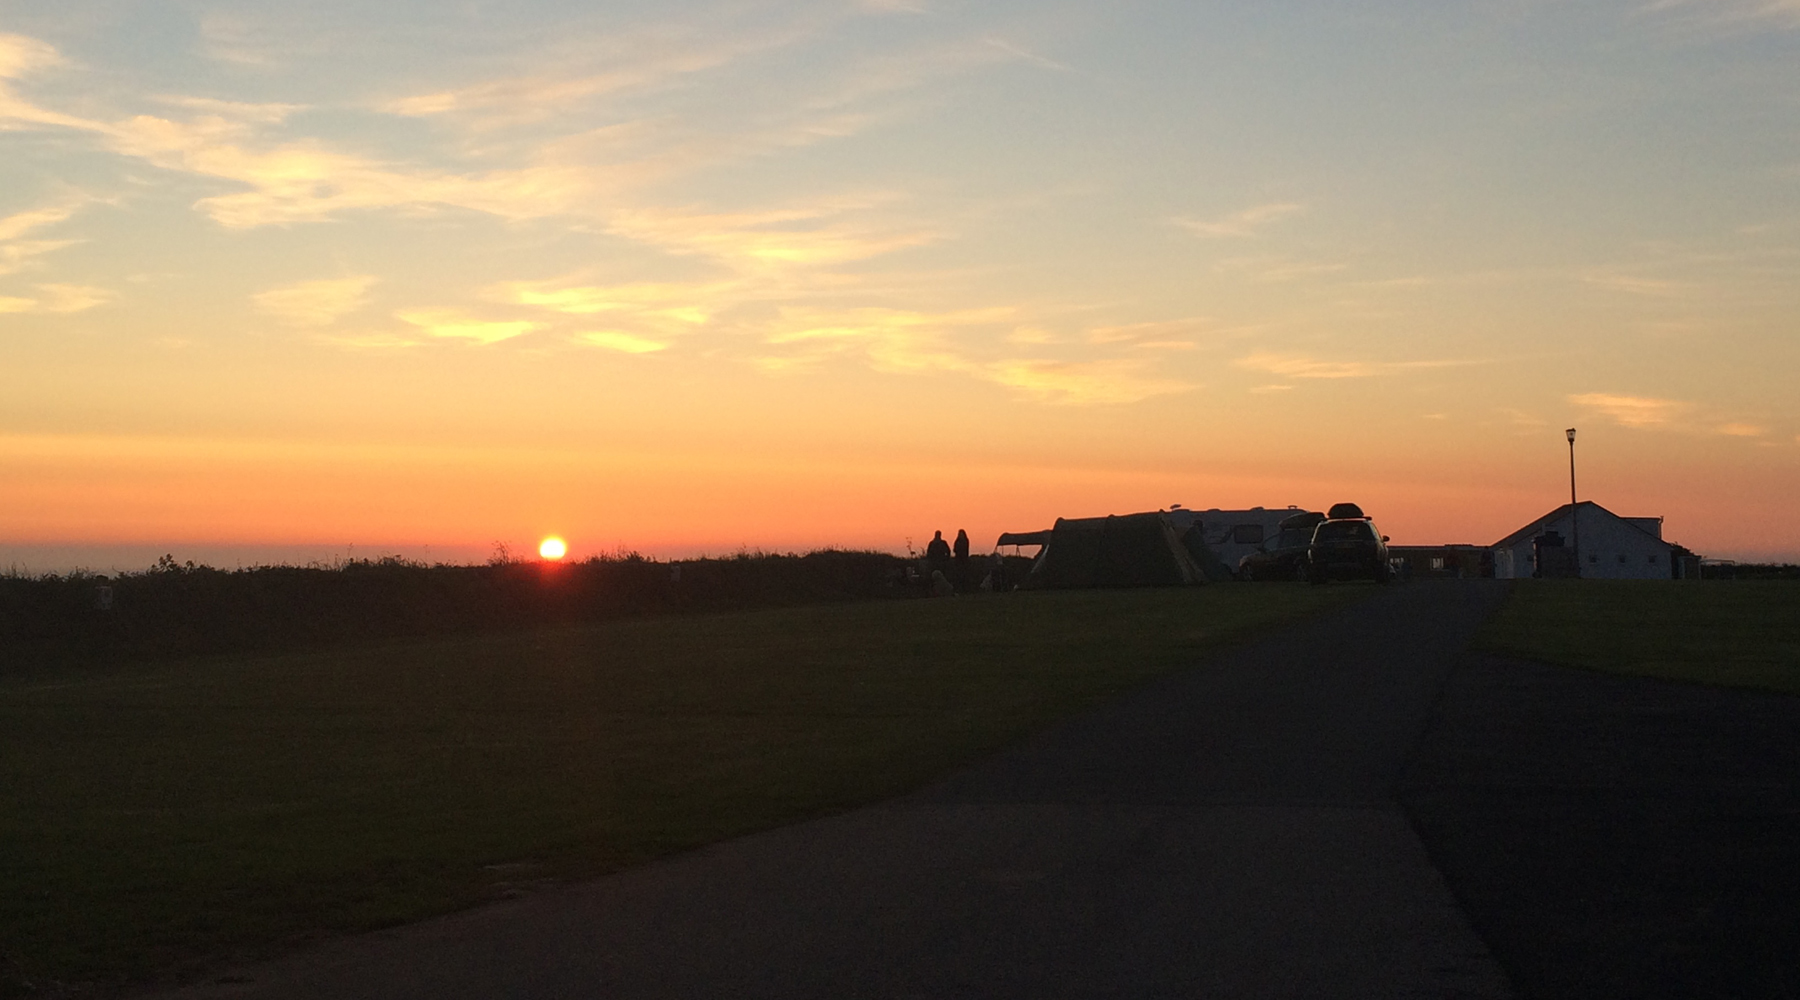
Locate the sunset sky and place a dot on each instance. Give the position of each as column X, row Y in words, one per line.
column 280, row 279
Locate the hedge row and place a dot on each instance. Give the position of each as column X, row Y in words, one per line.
column 183, row 608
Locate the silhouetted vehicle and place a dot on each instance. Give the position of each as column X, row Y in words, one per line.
column 1347, row 548
column 1285, row 557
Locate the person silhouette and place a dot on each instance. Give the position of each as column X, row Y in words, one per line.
column 961, row 551
column 937, row 555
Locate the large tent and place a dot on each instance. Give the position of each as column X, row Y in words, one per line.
column 1126, row 550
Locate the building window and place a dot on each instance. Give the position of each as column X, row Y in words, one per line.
column 1621, row 558
column 1593, row 559
column 1437, row 562
column 1652, row 558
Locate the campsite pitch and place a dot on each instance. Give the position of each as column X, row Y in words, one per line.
column 156, row 819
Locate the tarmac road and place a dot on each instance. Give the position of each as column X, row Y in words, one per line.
column 1230, row 831
column 1618, row 836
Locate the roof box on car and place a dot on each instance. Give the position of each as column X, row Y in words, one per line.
column 1340, row 511
column 1305, row 519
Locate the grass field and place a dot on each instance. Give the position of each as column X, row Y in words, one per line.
column 159, row 818
column 1743, row 633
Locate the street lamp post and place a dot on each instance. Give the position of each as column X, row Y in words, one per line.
column 1574, row 513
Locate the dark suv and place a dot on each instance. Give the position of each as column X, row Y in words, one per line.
column 1347, row 548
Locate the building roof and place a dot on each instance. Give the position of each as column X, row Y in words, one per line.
column 1536, row 527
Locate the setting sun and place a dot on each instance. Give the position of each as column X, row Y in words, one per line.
column 553, row 548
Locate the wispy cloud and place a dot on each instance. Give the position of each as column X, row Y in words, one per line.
column 686, row 303
column 641, row 318
column 15, row 251
column 296, row 181
column 234, row 38
column 1637, row 284
column 617, row 340
column 1084, row 383
column 1524, row 419
column 1653, row 413
column 1026, row 55
column 912, row 342
column 21, row 56
column 1783, row 14
column 620, row 63
column 1238, row 225
column 1632, row 411
column 895, row 340
column 449, row 324
column 289, row 180
column 307, row 182
column 1303, row 366
column 819, row 234
column 371, row 339
column 316, row 303
column 57, row 298
column 585, row 175
column 1277, row 268
column 14, row 226
column 60, row 298
column 1184, row 334
column 240, row 111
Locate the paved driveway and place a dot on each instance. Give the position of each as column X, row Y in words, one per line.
column 1618, row 836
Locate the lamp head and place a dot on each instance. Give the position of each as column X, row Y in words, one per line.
column 1571, row 433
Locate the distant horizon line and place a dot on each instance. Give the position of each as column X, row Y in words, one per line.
column 107, row 558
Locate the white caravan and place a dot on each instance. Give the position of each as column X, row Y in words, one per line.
column 1233, row 534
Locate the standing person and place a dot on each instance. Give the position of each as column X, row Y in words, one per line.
column 937, row 555
column 962, row 560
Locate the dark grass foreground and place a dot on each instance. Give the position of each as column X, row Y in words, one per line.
column 159, row 817
column 1741, row 633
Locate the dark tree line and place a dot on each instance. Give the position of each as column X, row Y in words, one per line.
column 180, row 608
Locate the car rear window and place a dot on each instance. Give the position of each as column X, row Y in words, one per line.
column 1339, row 531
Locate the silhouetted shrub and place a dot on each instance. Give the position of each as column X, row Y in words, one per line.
column 179, row 608
column 1749, row 571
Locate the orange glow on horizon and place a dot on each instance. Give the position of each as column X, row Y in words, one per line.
column 445, row 501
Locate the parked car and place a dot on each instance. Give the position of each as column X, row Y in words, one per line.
column 1347, row 548
column 1285, row 557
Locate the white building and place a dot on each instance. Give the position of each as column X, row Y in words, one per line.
column 1611, row 547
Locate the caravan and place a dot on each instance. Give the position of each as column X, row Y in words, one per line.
column 1234, row 534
